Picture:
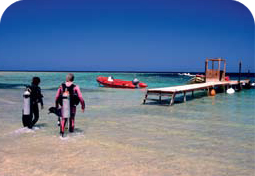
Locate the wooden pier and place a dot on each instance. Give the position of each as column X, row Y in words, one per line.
column 214, row 78
column 184, row 89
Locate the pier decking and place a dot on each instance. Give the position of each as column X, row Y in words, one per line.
column 173, row 91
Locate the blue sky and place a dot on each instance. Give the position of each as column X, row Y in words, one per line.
column 127, row 35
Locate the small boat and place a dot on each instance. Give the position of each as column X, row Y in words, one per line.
column 185, row 74
column 201, row 79
column 197, row 79
column 119, row 83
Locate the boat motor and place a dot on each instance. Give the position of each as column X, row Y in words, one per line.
column 135, row 82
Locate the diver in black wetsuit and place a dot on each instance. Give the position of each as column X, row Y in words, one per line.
column 35, row 98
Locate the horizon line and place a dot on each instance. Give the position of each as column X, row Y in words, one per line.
column 104, row 71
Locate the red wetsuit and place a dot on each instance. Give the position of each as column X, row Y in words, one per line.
column 73, row 108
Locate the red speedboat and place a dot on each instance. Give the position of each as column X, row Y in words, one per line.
column 119, row 83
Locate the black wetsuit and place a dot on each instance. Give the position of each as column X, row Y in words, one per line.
column 35, row 98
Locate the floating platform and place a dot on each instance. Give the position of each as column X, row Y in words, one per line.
column 183, row 89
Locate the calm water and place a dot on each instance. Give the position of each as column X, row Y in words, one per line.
column 117, row 135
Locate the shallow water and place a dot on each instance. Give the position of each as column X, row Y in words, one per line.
column 117, row 135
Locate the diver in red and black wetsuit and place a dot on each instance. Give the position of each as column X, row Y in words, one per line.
column 75, row 98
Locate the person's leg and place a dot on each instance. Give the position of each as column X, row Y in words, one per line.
column 35, row 113
column 59, row 120
column 62, row 125
column 59, row 114
column 71, row 120
column 26, row 120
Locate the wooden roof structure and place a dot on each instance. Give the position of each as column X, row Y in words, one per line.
column 215, row 72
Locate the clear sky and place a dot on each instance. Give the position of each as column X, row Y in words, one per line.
column 125, row 35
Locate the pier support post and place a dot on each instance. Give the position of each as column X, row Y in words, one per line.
column 184, row 96
column 172, row 99
column 239, row 86
column 145, row 98
column 228, row 86
column 160, row 97
column 193, row 93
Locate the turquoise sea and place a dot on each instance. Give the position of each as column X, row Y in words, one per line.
column 119, row 136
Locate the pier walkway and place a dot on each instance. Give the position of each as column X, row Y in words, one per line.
column 173, row 91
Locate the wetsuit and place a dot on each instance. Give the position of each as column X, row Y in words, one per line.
column 76, row 89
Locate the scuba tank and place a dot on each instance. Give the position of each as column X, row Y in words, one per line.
column 26, row 112
column 26, row 102
column 66, row 105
